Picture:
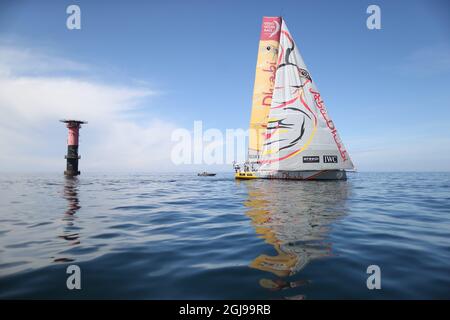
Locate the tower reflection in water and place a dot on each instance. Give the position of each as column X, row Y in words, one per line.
column 293, row 217
column 70, row 193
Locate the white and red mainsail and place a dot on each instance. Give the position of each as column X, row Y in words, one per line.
column 298, row 131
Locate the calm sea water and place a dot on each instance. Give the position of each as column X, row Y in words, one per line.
column 179, row 236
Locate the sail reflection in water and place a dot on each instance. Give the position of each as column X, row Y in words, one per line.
column 293, row 217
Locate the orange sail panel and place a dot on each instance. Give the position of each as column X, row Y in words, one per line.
column 266, row 67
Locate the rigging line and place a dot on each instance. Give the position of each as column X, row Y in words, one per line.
column 270, row 142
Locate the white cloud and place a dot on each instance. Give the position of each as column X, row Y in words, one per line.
column 20, row 61
column 36, row 90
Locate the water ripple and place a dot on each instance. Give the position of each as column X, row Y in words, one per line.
column 186, row 237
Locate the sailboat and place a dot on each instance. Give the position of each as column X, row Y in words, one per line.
column 291, row 134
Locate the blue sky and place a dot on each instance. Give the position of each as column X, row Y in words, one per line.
column 387, row 90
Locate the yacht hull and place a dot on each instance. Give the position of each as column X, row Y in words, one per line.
column 297, row 175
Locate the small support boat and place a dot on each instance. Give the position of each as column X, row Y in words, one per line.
column 206, row 174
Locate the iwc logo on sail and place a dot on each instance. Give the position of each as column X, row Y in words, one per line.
column 330, row 159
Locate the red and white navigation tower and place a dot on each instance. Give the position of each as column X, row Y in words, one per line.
column 72, row 146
